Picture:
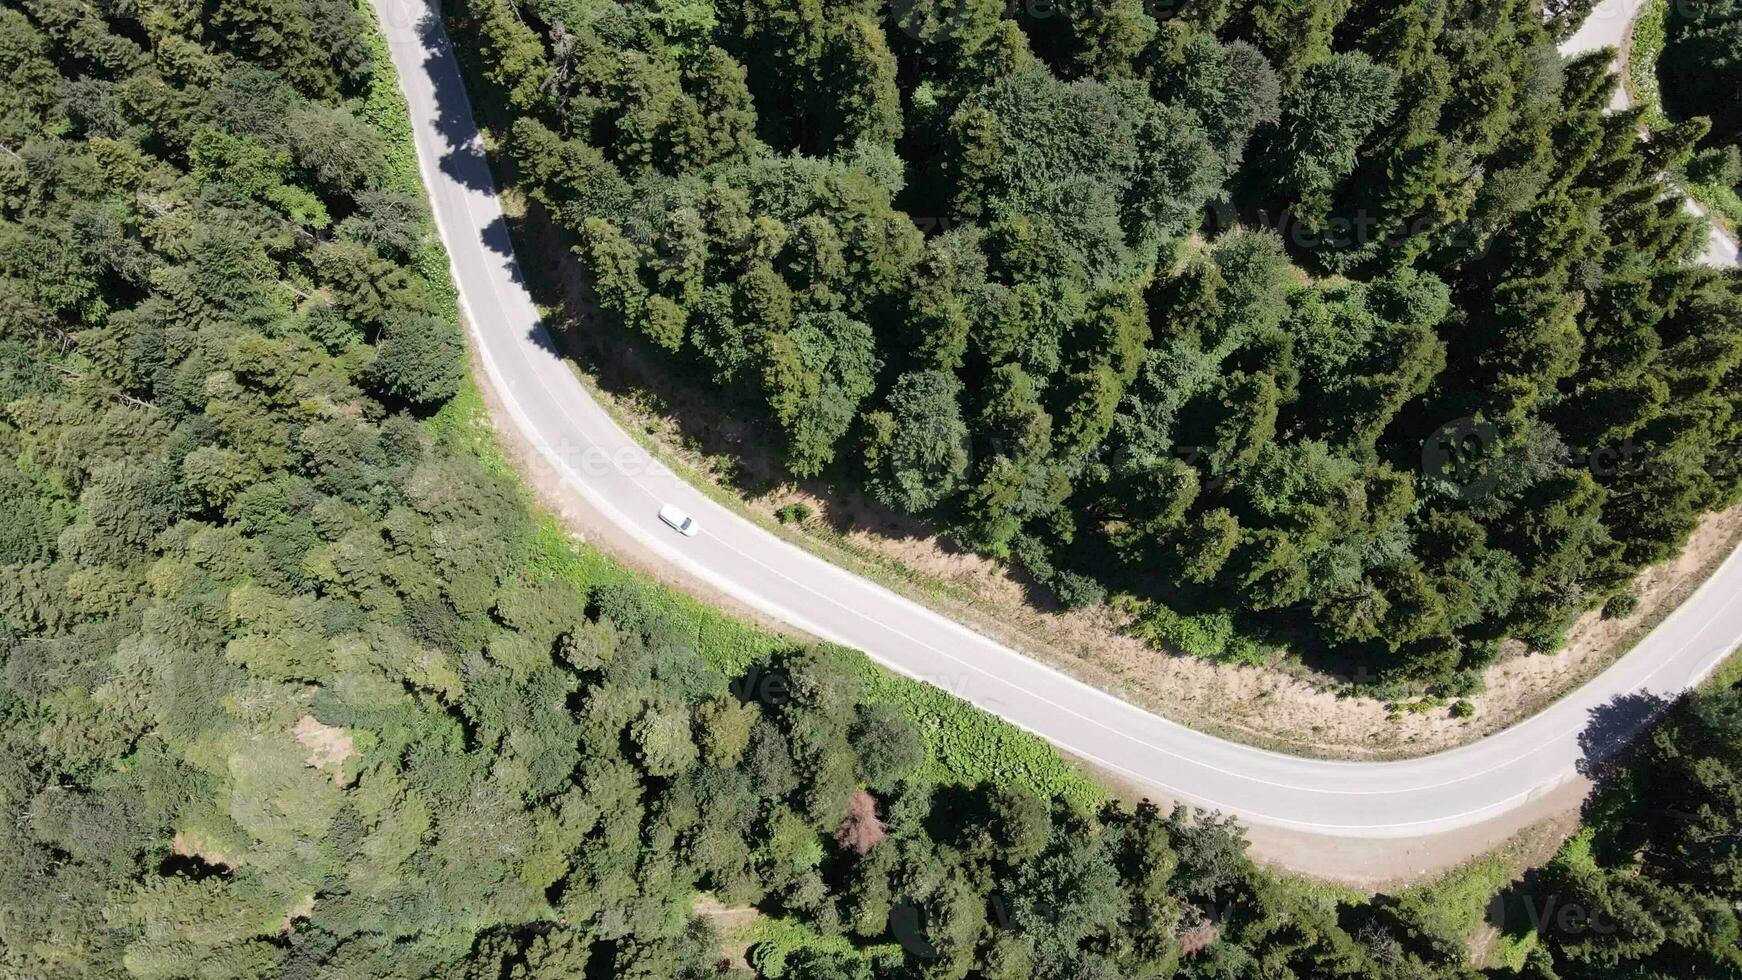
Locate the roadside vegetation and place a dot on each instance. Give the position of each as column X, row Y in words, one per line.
column 1357, row 329
column 1652, row 885
column 1698, row 74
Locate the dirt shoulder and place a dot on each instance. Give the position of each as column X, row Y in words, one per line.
column 1284, row 707
column 1529, row 836
column 1523, row 837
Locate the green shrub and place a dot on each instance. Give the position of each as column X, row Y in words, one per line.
column 1620, row 606
column 1419, row 706
column 1210, row 635
column 1462, row 684
column 1200, row 636
column 1719, row 165
column 1390, row 689
column 1078, row 591
column 795, row 513
column 1462, row 709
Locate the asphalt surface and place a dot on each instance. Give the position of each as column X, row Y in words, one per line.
column 611, row 472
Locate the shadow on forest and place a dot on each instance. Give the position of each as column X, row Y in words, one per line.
column 718, row 424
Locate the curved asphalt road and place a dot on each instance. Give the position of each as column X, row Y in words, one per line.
column 605, row 465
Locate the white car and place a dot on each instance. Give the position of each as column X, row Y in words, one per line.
column 685, row 524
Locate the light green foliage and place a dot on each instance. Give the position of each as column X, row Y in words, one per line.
column 816, row 373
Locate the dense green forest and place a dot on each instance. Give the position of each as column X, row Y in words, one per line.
column 292, row 684
column 1702, row 66
column 1652, row 887
column 1357, row 326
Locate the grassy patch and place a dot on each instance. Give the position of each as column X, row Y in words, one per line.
column 1461, row 896
column 1723, row 202
column 1461, row 901
column 967, row 744
column 1650, row 34
column 772, row 941
column 1326, row 895
column 1728, row 674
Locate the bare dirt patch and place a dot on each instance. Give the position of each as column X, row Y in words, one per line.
column 329, row 747
column 304, row 907
column 187, row 843
column 730, row 922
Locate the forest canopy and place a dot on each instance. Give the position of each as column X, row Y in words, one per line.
column 1359, row 325
column 292, row 683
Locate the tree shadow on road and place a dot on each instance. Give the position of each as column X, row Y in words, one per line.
column 464, row 159
column 1612, row 727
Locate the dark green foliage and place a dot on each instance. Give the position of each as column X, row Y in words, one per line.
column 1054, row 371
column 1093, row 167
column 419, row 360
column 917, row 451
column 289, row 686
column 1337, row 103
column 1701, row 66
column 1649, row 888
column 1620, row 606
